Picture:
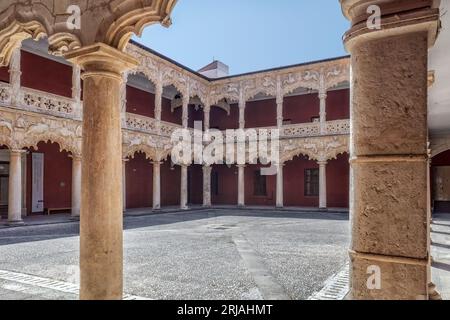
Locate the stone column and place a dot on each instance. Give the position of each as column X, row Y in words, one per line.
column 101, row 223
column 15, row 75
column 322, row 184
column 280, row 187
column 184, row 187
column 158, row 104
column 76, row 87
column 156, row 185
column 76, row 186
column 207, row 186
column 123, row 99
column 185, row 111
column 206, row 117
column 279, row 100
column 24, row 184
column 124, row 184
column 241, row 185
column 323, row 110
column 389, row 148
column 15, row 188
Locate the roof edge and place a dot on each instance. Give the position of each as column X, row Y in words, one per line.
column 144, row 47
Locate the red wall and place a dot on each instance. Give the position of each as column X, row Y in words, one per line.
column 221, row 120
column 195, row 115
column 338, row 105
column 57, row 177
column 139, row 181
column 250, row 198
column 300, row 109
column 169, row 116
column 338, row 182
column 4, row 74
column 195, row 184
column 46, row 75
column 140, row 102
column 294, row 183
column 442, row 159
column 262, row 113
column 170, row 184
column 228, row 185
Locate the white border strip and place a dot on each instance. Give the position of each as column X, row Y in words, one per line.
column 51, row 284
column 336, row 287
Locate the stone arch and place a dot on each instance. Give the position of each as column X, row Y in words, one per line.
column 112, row 23
column 64, row 145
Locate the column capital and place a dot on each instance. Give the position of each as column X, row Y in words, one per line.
column 18, row 151
column 322, row 162
column 101, row 59
column 241, row 165
column 397, row 17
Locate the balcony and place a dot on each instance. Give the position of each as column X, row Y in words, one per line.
column 46, row 103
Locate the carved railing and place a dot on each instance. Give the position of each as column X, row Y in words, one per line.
column 41, row 102
column 5, row 94
column 338, row 127
column 47, row 103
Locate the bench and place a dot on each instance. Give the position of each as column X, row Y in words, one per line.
column 50, row 210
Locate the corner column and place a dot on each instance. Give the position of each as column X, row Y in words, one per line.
column 207, row 186
column 156, row 185
column 76, row 186
column 322, row 184
column 15, row 188
column 389, row 252
column 101, row 220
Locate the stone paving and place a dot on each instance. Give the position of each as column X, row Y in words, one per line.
column 440, row 252
column 204, row 254
column 207, row 254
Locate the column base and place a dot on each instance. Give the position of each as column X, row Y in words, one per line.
column 433, row 294
column 15, row 223
column 400, row 278
column 157, row 209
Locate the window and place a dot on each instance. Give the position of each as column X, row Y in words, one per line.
column 215, row 183
column 311, row 182
column 259, row 182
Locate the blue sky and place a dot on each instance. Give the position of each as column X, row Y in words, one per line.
column 250, row 35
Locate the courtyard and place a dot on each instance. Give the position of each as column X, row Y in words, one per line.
column 205, row 254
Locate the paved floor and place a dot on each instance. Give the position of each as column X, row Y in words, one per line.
column 213, row 254
column 440, row 252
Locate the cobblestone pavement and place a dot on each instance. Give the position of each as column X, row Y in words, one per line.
column 213, row 254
